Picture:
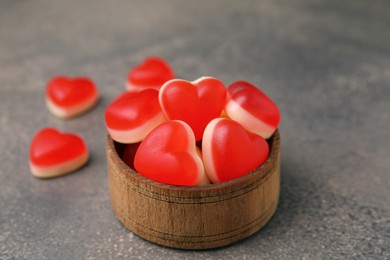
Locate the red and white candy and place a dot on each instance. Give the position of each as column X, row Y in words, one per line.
column 169, row 155
column 69, row 97
column 131, row 116
column 229, row 151
column 195, row 103
column 250, row 107
column 152, row 73
column 166, row 151
column 54, row 154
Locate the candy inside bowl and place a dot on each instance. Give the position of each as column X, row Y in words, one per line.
column 197, row 217
column 194, row 165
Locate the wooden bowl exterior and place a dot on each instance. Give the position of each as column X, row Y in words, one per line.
column 194, row 217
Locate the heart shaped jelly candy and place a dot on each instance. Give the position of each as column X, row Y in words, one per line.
column 195, row 103
column 152, row 73
column 250, row 107
column 130, row 117
column 129, row 154
column 169, row 155
column 53, row 153
column 229, row 151
column 67, row 97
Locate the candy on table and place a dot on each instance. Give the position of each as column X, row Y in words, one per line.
column 69, row 97
column 229, row 151
column 195, row 103
column 152, row 73
column 54, row 154
column 250, row 107
column 131, row 116
column 169, row 155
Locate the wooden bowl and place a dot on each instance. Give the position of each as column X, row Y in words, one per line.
column 194, row 217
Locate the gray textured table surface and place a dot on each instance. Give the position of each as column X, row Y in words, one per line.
column 326, row 63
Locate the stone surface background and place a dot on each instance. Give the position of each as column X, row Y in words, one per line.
column 326, row 63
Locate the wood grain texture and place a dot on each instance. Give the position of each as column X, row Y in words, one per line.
column 194, row 217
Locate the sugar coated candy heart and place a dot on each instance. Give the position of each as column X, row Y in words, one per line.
column 250, row 107
column 69, row 97
column 54, row 154
column 169, row 155
column 195, row 103
column 131, row 116
column 152, row 73
column 229, row 151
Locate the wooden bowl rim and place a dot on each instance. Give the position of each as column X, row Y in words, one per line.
column 127, row 172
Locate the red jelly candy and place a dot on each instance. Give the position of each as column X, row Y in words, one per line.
column 229, row 151
column 169, row 155
column 131, row 116
column 129, row 154
column 250, row 107
column 152, row 73
column 53, row 153
column 66, row 97
column 195, row 103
